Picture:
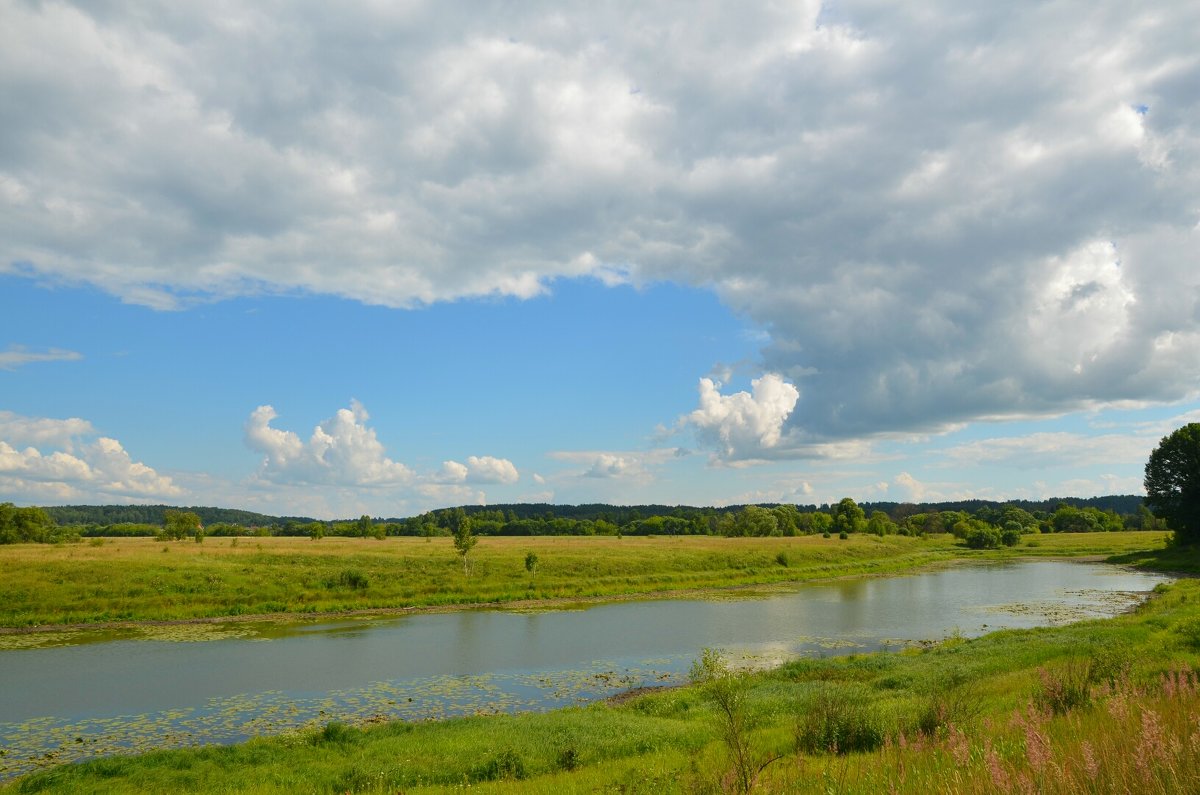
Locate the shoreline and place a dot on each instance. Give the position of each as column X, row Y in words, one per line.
column 554, row 603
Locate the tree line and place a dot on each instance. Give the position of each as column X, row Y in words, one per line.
column 990, row 524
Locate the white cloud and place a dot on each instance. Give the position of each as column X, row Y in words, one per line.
column 17, row 429
column 486, row 469
column 452, row 472
column 607, row 465
column 937, row 213
column 479, row 469
column 1051, row 449
column 18, row 355
column 743, row 425
column 95, row 469
column 341, row 451
column 612, row 464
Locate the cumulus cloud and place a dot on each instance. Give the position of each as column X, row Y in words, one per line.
column 608, row 464
column 18, row 355
column 17, row 429
column 342, row 450
column 84, row 469
column 479, row 469
column 939, row 214
column 743, row 425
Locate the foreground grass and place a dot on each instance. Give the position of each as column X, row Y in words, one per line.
column 141, row 579
column 1099, row 706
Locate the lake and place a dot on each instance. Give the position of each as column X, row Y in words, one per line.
column 77, row 695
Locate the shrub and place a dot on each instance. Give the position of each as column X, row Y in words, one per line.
column 782, row 559
column 1065, row 689
column 1010, row 537
column 837, row 720
column 983, row 538
column 335, row 732
column 353, row 578
column 1189, row 633
column 507, row 766
column 728, row 691
column 843, row 535
column 568, row 759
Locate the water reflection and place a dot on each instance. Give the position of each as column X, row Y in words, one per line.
column 140, row 694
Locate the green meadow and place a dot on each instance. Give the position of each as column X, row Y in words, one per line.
column 140, row 579
column 1094, row 707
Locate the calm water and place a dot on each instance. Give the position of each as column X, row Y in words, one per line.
column 81, row 700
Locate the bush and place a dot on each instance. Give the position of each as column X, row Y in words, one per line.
column 1065, row 689
column 837, row 720
column 568, row 759
column 983, row 538
column 1010, row 537
column 508, row 766
column 335, row 732
column 843, row 535
column 352, row 578
column 782, row 559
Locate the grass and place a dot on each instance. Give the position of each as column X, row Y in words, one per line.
column 1098, row 706
column 140, row 579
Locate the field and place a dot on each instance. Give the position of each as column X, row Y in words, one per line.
column 139, row 579
column 1098, row 706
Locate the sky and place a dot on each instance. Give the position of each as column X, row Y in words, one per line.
column 327, row 260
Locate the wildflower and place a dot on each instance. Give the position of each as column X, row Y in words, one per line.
column 1037, row 746
column 1090, row 766
column 996, row 768
column 1152, row 746
column 960, row 747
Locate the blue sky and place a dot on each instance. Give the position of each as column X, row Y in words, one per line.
column 448, row 254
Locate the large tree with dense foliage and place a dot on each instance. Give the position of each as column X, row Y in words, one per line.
column 848, row 517
column 23, row 525
column 1173, row 482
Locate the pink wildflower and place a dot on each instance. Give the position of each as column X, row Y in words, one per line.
column 1090, row 766
column 996, row 769
column 960, row 747
column 1152, row 746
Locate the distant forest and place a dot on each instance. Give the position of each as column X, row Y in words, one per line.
column 978, row 522
column 77, row 515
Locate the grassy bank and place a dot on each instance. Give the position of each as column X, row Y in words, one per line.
column 139, row 579
column 1099, row 706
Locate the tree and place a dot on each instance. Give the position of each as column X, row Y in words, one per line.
column 364, row 526
column 24, row 525
column 1173, row 482
column 180, row 524
column 464, row 539
column 729, row 691
column 881, row 524
column 848, row 517
column 755, row 521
